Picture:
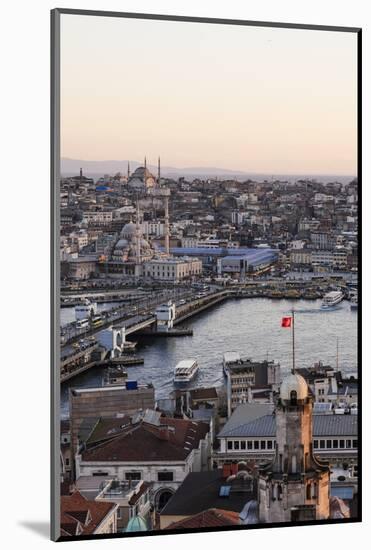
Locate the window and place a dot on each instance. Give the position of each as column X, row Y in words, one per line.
column 315, row 444
column 119, row 513
column 349, row 443
column 229, row 445
column 249, row 445
column 262, row 445
column 335, row 444
column 165, row 476
column 355, row 444
column 133, row 476
column 243, row 445
column 322, row 444
column 67, row 461
column 269, row 445
column 342, row 444
column 256, row 445
column 328, row 444
column 293, row 397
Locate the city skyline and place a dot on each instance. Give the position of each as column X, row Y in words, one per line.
column 250, row 99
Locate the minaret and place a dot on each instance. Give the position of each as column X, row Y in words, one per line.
column 144, row 174
column 128, row 170
column 167, row 229
column 159, row 172
column 137, row 240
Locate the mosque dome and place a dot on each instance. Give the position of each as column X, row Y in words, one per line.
column 294, row 383
column 128, row 231
column 137, row 523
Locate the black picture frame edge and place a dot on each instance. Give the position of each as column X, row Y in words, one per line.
column 55, row 268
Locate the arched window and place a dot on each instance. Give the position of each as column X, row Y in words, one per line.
column 309, row 491
column 293, row 397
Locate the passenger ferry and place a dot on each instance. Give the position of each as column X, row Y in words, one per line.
column 331, row 299
column 86, row 310
column 185, row 371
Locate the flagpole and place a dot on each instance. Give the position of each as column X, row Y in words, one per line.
column 293, row 341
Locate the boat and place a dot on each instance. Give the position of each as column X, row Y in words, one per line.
column 354, row 301
column 185, row 371
column 85, row 310
column 331, row 299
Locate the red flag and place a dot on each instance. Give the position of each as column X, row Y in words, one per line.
column 286, row 322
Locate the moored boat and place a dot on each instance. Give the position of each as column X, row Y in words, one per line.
column 331, row 299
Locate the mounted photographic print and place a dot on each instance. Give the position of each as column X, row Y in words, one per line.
column 205, row 289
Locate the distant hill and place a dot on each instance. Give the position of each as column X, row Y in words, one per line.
column 97, row 168
column 72, row 166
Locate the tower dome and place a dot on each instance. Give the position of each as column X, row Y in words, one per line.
column 137, row 523
column 294, row 387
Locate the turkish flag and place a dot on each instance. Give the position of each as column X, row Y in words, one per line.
column 286, row 322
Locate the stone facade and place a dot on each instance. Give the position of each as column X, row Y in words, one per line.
column 295, row 486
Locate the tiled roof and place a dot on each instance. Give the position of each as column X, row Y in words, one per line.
column 173, row 440
column 323, row 425
column 80, row 516
column 209, row 518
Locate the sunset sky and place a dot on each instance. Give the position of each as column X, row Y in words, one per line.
column 254, row 99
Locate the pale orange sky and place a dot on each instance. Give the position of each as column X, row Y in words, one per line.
column 245, row 98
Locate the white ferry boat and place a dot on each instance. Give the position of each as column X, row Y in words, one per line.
column 331, row 299
column 354, row 301
column 185, row 371
column 86, row 310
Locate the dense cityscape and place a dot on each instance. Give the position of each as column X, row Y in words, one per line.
column 143, row 257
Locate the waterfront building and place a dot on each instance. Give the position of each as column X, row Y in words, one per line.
column 172, row 269
column 300, row 257
column 160, row 451
column 249, row 380
column 329, row 386
column 79, row 516
column 242, row 265
column 295, row 485
column 82, row 267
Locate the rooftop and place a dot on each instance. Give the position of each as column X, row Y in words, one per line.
column 265, row 426
column 202, row 490
column 172, row 440
column 213, row 517
column 80, row 516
